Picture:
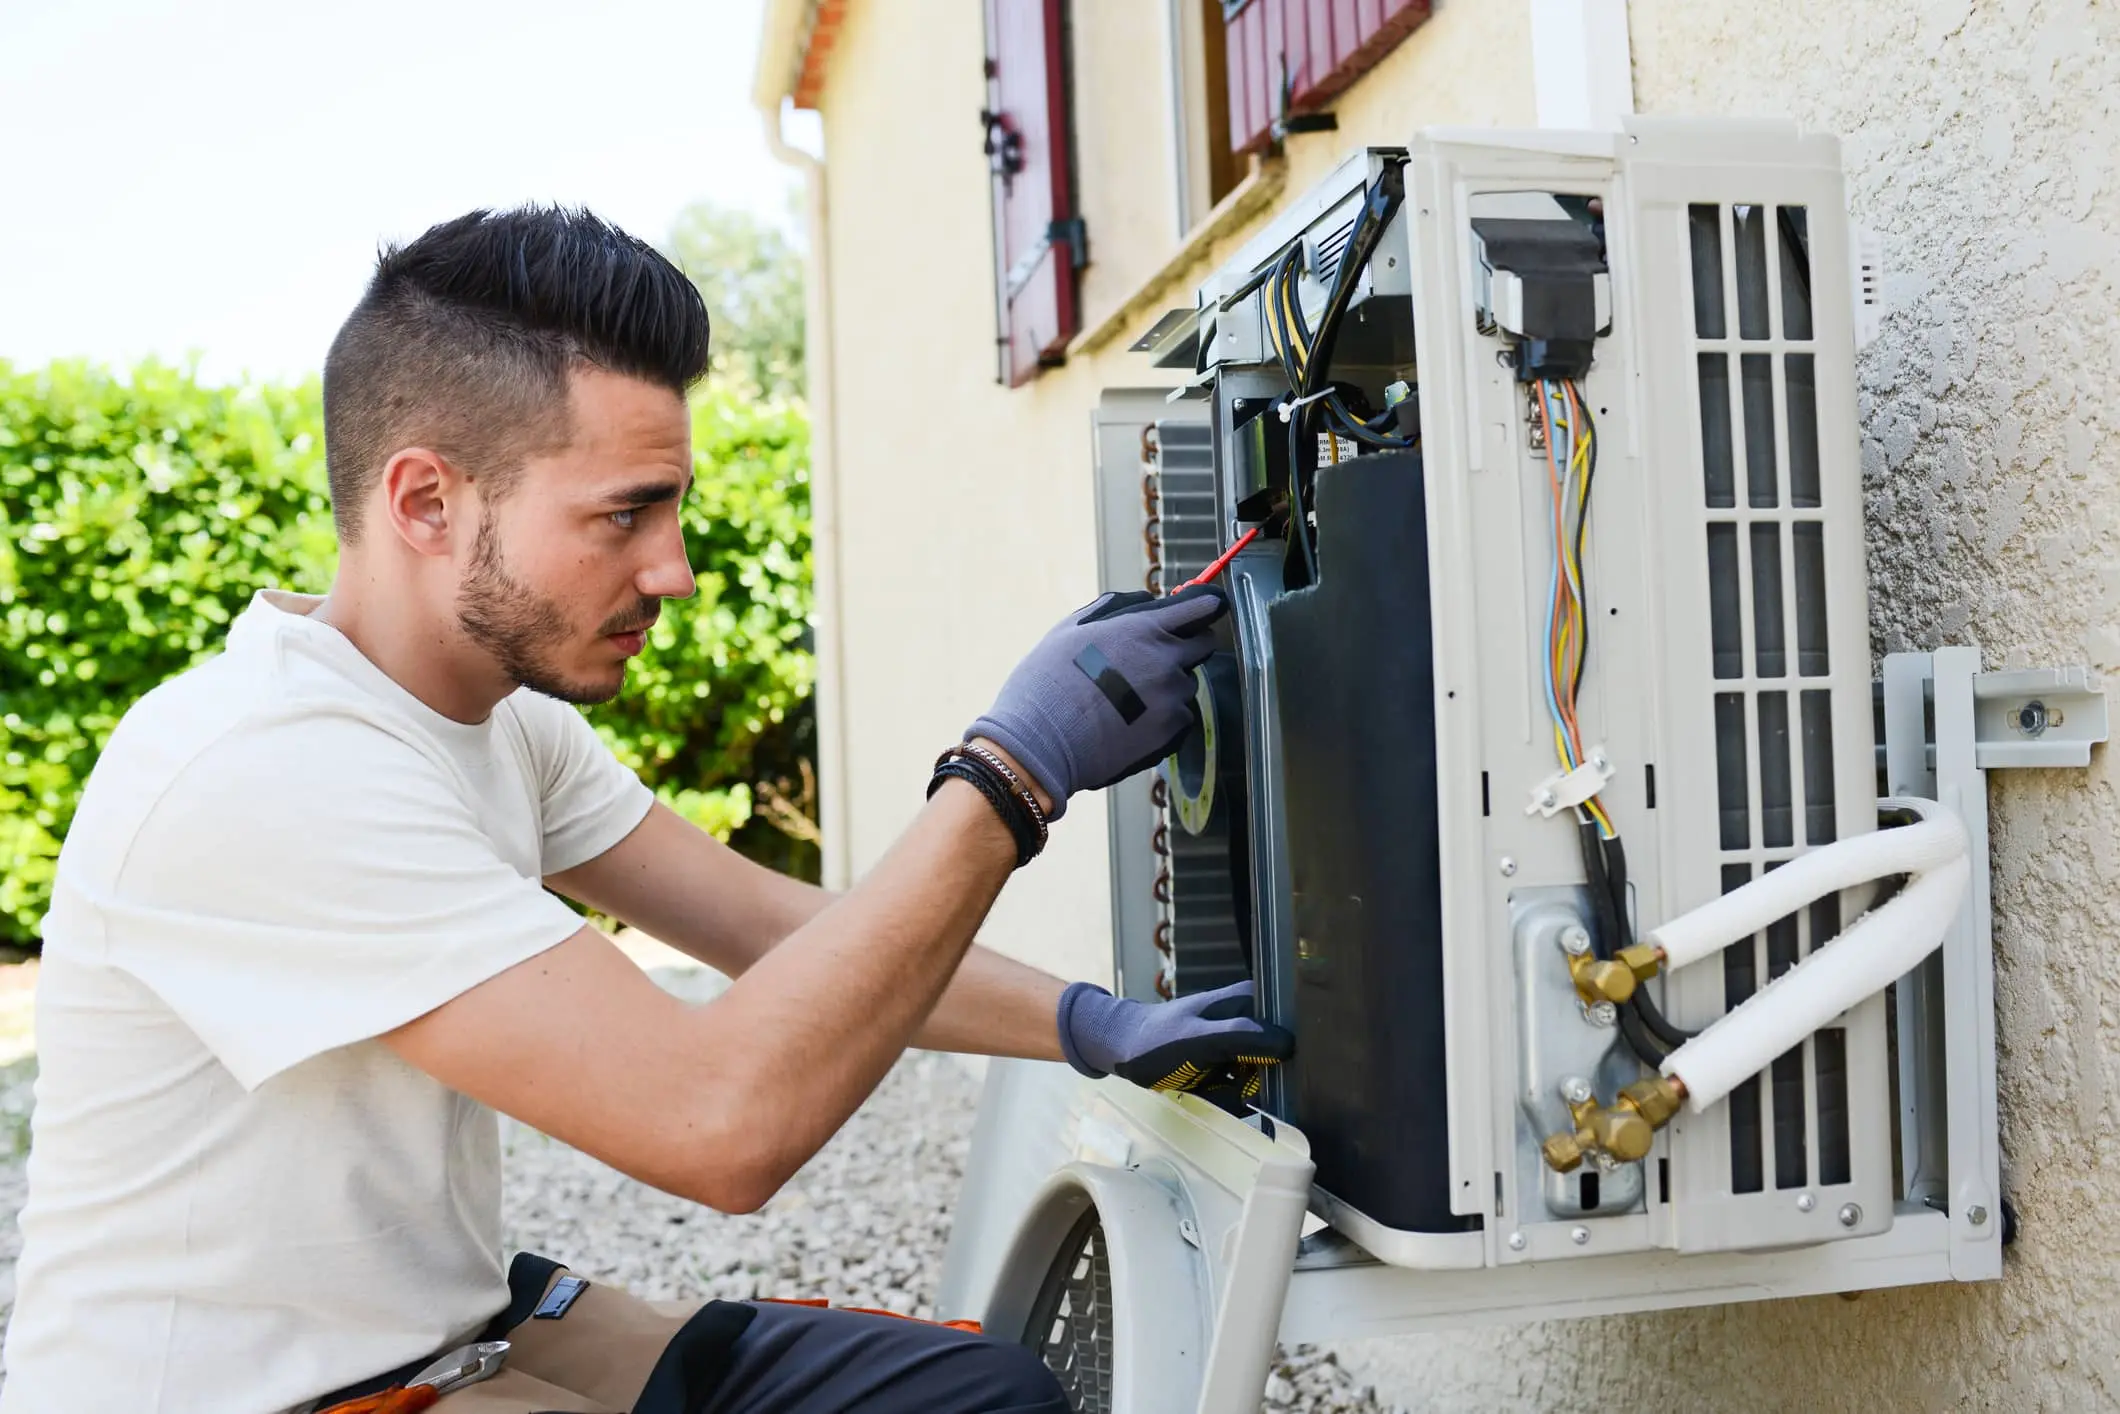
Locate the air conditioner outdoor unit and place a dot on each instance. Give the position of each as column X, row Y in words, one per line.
column 1543, row 788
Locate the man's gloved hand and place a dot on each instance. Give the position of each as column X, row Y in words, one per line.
column 1108, row 692
column 1206, row 1042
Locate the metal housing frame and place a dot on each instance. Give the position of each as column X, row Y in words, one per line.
column 1218, row 1236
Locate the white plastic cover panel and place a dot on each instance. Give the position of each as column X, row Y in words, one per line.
column 1728, row 674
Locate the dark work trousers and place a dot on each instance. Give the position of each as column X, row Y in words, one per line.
column 586, row 1347
column 808, row 1360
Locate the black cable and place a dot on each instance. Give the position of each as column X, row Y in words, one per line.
column 1380, row 202
column 1643, row 1003
column 1282, row 299
column 1360, row 431
column 1248, row 288
column 1582, row 572
column 1607, row 937
column 1299, row 523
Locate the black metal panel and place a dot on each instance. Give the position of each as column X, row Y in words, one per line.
column 1356, row 691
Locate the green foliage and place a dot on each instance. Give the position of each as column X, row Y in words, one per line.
column 136, row 518
column 138, row 514
column 750, row 275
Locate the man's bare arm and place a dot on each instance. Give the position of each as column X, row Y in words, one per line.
column 680, row 885
column 722, row 1103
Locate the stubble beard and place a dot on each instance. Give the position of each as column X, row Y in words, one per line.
column 519, row 626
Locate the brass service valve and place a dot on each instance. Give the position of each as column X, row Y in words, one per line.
column 1614, row 979
column 1622, row 1132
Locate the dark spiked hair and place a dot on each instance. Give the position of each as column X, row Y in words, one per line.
column 465, row 338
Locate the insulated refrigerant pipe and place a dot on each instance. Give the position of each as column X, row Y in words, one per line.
column 1878, row 948
column 1935, row 839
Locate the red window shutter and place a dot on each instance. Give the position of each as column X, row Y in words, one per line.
column 1315, row 48
column 1038, row 241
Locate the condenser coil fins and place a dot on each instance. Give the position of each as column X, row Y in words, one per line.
column 1206, row 904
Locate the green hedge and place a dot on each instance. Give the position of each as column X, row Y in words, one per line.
column 138, row 514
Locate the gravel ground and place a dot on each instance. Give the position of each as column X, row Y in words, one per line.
column 864, row 1224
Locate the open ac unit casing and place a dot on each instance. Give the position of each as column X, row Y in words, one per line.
column 1728, row 683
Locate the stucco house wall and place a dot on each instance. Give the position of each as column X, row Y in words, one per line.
column 965, row 509
column 1980, row 140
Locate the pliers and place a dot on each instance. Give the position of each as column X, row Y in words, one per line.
column 466, row 1365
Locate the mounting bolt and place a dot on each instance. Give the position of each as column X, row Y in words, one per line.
column 1850, row 1214
column 2032, row 718
column 1976, row 1215
column 1575, row 940
column 1598, row 761
column 1507, row 866
column 1516, row 1242
column 1604, row 1161
column 1805, row 1202
column 1548, row 799
column 1601, row 1014
column 1575, row 1090
column 1579, row 1235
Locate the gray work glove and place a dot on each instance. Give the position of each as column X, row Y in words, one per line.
column 1208, row 1043
column 1108, row 692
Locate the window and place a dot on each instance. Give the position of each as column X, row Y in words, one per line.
column 1295, row 56
column 1205, row 163
column 1039, row 241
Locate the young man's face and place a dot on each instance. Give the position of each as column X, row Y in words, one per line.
column 572, row 565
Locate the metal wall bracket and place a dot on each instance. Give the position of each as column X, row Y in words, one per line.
column 2028, row 717
column 1942, row 725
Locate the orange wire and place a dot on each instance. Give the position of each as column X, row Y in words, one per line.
column 1563, row 601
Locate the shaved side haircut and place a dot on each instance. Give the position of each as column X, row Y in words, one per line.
column 465, row 337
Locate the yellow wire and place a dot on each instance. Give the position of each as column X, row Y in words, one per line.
column 1295, row 328
column 1569, row 622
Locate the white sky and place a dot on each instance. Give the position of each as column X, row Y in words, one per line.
column 214, row 177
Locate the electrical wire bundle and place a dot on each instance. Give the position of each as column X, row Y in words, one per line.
column 1571, row 462
column 1306, row 356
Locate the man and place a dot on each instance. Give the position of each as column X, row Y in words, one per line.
column 301, row 946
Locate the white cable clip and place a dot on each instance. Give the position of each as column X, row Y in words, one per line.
column 1289, row 405
column 1564, row 790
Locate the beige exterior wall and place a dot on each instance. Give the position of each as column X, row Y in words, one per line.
column 1981, row 140
column 965, row 510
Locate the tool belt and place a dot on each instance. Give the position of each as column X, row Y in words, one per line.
column 579, row 1347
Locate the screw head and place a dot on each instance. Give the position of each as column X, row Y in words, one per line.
column 1850, row 1214
column 1601, row 1014
column 1976, row 1215
column 1516, row 1242
column 1605, row 1162
column 2032, row 718
column 1579, row 1235
column 1575, row 1090
column 1599, row 762
column 1507, row 866
column 1575, row 940
column 1548, row 799
column 1805, row 1202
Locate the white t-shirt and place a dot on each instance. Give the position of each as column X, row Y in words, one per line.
column 238, row 1198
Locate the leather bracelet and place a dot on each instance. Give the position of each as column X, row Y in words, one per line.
column 987, row 781
column 1007, row 777
column 1016, row 783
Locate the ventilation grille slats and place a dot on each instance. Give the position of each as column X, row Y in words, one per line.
column 1765, row 562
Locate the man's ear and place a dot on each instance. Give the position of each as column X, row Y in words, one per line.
column 426, row 500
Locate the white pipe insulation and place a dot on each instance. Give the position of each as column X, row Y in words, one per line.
column 1877, row 949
